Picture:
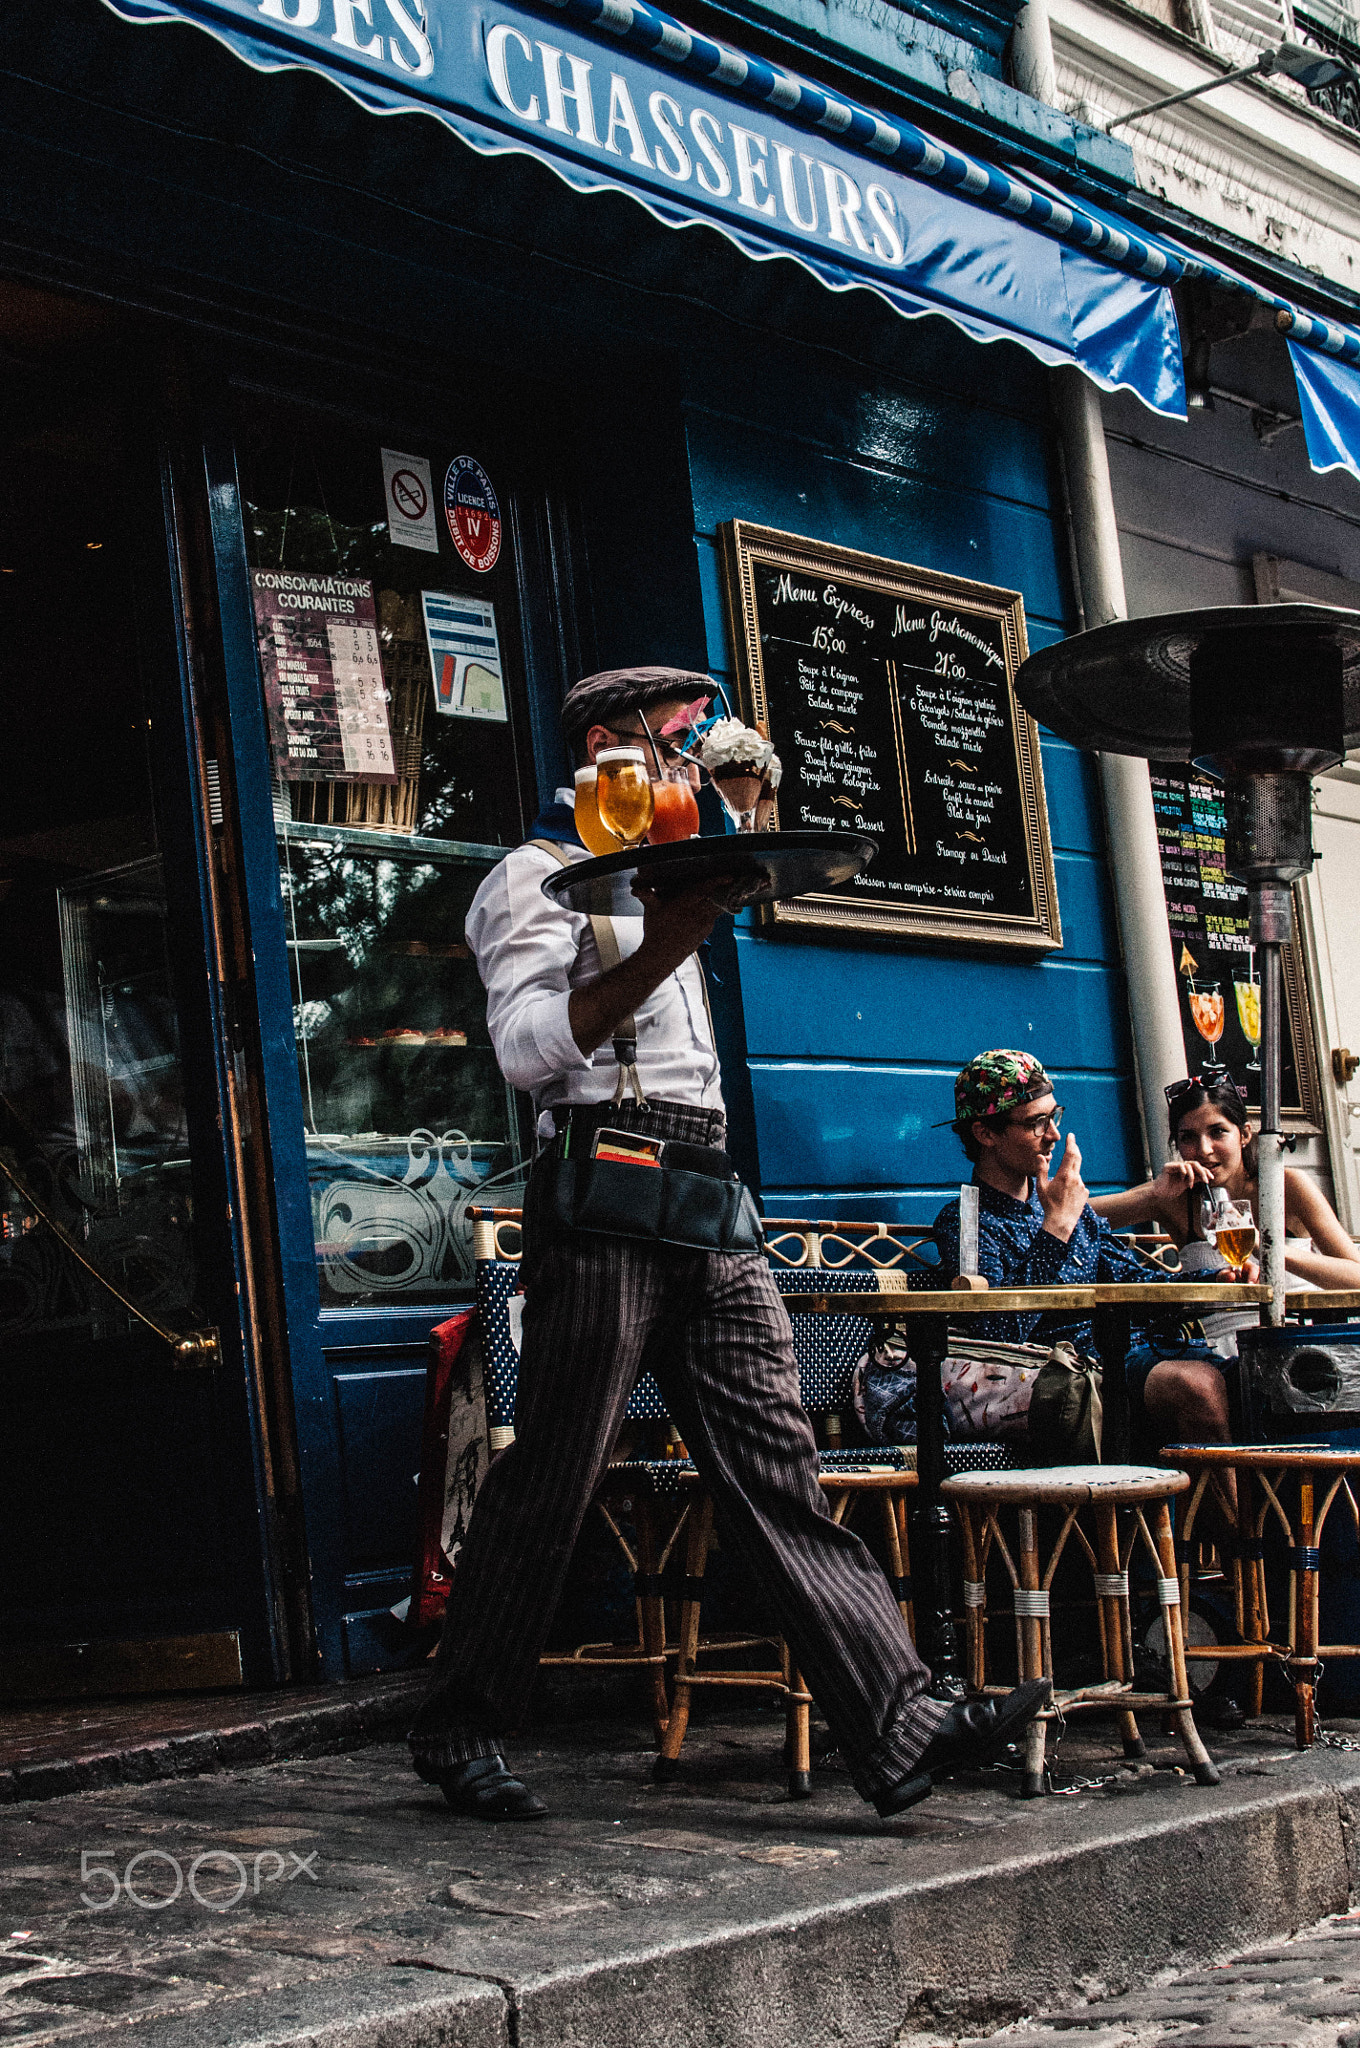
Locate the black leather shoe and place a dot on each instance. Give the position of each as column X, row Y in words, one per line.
column 484, row 1790
column 972, row 1733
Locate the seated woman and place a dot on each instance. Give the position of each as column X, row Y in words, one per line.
column 1216, row 1148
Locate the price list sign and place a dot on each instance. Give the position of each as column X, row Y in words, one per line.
column 887, row 691
column 323, row 679
column 1216, row 971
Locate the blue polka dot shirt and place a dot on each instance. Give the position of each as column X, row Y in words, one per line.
column 1014, row 1250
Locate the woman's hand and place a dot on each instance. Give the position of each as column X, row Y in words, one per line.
column 1247, row 1275
column 1177, row 1178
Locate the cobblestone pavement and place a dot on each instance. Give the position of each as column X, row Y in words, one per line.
column 335, row 1899
column 1303, row 1993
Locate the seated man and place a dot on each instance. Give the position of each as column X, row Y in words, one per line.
column 1038, row 1229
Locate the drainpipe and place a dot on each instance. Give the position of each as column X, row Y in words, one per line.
column 1031, row 54
column 1131, row 823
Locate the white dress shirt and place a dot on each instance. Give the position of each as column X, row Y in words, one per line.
column 531, row 953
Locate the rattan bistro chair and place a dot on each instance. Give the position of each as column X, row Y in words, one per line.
column 1292, row 1488
column 1097, row 1492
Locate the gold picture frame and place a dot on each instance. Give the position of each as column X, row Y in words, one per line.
column 921, row 895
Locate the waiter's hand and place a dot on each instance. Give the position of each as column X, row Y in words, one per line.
column 673, row 927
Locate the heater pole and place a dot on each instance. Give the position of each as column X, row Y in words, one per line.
column 1271, row 925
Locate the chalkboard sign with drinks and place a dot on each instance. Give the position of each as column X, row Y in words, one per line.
column 1216, row 970
column 887, row 691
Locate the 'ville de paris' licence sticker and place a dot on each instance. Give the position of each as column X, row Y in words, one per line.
column 473, row 512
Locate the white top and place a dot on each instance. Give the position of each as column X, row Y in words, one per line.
column 531, row 953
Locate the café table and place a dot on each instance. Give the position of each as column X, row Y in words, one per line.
column 928, row 1313
column 1322, row 1304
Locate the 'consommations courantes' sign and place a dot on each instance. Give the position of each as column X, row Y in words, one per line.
column 887, row 691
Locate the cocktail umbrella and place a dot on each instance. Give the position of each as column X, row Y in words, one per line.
column 1262, row 697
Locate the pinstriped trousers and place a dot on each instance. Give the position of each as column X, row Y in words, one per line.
column 599, row 1311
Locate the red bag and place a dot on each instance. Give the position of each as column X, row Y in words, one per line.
column 453, row 1461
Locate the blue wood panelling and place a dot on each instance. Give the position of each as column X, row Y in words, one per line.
column 944, row 529
column 837, row 1125
column 378, row 1417
column 853, row 1049
column 823, row 1001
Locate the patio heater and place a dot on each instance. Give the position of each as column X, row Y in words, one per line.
column 1261, row 697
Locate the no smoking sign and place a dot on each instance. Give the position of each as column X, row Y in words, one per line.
column 473, row 512
column 409, row 494
column 409, row 491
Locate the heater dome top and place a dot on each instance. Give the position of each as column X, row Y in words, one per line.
column 1125, row 688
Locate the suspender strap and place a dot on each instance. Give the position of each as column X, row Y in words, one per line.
column 625, row 1031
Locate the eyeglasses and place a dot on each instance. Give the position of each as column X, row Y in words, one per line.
column 668, row 750
column 1037, row 1125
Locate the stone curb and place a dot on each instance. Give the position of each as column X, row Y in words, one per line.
column 321, row 1728
column 952, row 1955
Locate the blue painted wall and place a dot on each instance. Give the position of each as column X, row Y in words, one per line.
column 692, row 386
column 852, row 1050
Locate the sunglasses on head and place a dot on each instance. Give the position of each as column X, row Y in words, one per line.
column 1208, row 1079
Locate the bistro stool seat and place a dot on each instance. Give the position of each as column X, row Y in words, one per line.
column 1096, row 1492
column 1293, row 1487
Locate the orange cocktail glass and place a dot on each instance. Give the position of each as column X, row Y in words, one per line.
column 676, row 813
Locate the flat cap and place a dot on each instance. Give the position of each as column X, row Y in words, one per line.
column 595, row 700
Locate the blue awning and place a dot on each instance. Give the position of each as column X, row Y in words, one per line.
column 1329, row 400
column 615, row 96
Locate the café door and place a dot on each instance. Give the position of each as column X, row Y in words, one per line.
column 135, row 1554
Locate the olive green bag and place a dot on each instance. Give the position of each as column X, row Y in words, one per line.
column 1066, row 1411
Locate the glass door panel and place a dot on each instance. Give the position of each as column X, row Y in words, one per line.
column 393, row 680
column 93, row 1126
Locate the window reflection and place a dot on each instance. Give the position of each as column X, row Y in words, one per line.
column 92, row 1102
column 406, row 1112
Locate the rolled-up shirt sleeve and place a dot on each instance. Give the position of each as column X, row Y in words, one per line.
column 525, row 949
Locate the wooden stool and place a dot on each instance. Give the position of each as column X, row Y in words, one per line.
column 979, row 1498
column 1262, row 1472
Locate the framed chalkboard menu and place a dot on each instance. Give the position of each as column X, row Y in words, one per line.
column 1216, row 971
column 887, row 691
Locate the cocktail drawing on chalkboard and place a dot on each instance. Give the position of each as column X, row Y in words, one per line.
column 1208, row 1010
column 1248, row 994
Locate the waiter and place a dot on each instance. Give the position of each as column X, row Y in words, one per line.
column 603, row 1305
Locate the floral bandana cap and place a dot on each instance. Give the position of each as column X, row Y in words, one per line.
column 995, row 1082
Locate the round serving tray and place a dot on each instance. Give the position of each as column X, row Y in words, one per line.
column 762, row 867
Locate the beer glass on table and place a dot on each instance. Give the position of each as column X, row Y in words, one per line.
column 623, row 794
column 1235, row 1235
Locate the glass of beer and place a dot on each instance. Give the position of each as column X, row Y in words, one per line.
column 676, row 814
column 593, row 833
column 623, row 794
column 1235, row 1235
